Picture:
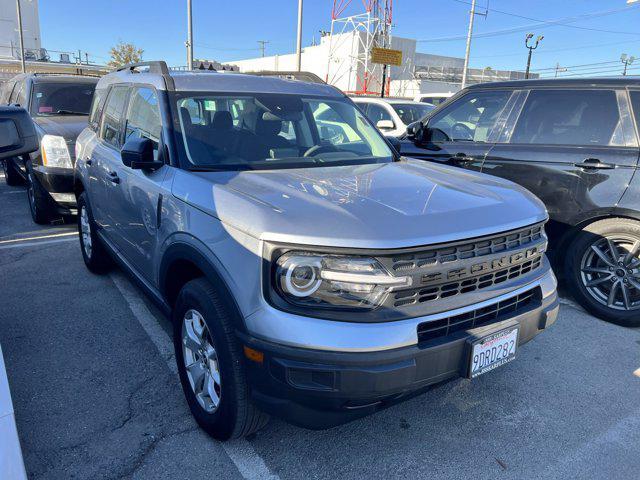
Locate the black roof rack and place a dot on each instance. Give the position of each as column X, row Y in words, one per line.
column 290, row 75
column 157, row 66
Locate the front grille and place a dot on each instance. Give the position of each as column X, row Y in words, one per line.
column 409, row 297
column 405, row 264
column 480, row 317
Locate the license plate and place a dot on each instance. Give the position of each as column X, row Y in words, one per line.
column 493, row 351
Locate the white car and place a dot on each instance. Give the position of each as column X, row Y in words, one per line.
column 433, row 98
column 392, row 115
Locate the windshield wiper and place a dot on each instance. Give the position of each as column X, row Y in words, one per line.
column 68, row 112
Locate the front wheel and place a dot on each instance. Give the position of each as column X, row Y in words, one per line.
column 210, row 364
column 38, row 202
column 603, row 270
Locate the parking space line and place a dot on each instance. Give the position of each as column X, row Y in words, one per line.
column 38, row 237
column 39, row 243
column 250, row 465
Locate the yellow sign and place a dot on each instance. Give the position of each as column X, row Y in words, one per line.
column 386, row 56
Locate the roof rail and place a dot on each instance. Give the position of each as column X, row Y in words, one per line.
column 156, row 66
column 290, row 75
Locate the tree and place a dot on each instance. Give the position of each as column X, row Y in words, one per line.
column 124, row 53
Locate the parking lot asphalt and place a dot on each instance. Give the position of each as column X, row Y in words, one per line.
column 95, row 392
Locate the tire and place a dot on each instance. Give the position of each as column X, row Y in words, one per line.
column 198, row 306
column 607, row 284
column 39, row 203
column 95, row 255
column 11, row 175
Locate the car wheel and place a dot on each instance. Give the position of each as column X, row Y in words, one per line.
column 38, row 201
column 210, row 364
column 603, row 270
column 11, row 176
column 94, row 253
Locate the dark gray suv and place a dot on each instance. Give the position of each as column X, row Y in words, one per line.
column 311, row 276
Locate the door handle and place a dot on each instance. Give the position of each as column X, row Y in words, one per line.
column 462, row 158
column 113, row 176
column 88, row 161
column 594, row 164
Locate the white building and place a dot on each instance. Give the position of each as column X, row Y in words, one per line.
column 9, row 36
column 419, row 73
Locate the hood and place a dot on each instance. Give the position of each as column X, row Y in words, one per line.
column 392, row 205
column 66, row 126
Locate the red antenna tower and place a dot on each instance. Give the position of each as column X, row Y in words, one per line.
column 351, row 39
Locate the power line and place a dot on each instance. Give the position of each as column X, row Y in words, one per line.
column 551, row 23
column 555, row 50
column 576, row 66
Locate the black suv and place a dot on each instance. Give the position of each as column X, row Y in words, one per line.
column 574, row 143
column 59, row 106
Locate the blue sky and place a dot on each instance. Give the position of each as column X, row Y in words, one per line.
column 228, row 30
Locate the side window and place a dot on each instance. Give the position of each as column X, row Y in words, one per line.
column 192, row 108
column 635, row 104
column 18, row 95
column 470, row 118
column 5, row 92
column 112, row 116
column 569, row 117
column 375, row 113
column 143, row 116
column 96, row 108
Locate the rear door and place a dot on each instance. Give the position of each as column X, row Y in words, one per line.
column 462, row 132
column 576, row 149
column 105, row 157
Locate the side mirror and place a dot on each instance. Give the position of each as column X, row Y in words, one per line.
column 415, row 131
column 137, row 153
column 385, row 125
column 17, row 133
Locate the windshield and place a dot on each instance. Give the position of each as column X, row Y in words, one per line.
column 253, row 131
column 411, row 112
column 61, row 98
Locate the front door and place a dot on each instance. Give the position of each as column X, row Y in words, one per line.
column 575, row 149
column 462, row 133
column 136, row 204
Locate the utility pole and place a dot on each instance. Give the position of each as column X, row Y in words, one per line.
column 189, row 42
column 626, row 61
column 263, row 45
column 299, row 40
column 472, row 14
column 24, row 67
column 531, row 49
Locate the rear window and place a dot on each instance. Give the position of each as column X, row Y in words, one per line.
column 61, row 98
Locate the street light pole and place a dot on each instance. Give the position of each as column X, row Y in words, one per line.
column 299, row 40
column 626, row 61
column 189, row 42
column 468, row 50
column 21, row 33
column 531, row 49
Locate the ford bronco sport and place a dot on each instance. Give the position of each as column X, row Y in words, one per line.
column 313, row 277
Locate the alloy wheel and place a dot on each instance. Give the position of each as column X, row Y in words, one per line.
column 85, row 230
column 610, row 272
column 201, row 361
column 4, row 169
column 31, row 195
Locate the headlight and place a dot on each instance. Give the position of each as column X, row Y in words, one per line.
column 318, row 280
column 55, row 152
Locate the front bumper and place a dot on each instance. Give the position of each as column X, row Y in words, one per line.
column 58, row 183
column 319, row 389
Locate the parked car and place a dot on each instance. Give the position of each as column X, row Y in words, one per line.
column 59, row 106
column 433, row 98
column 311, row 280
column 574, row 144
column 392, row 115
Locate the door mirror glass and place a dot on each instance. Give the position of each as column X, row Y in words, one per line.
column 385, row 125
column 17, row 133
column 137, row 153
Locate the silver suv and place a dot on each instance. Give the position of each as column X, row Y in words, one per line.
column 308, row 275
